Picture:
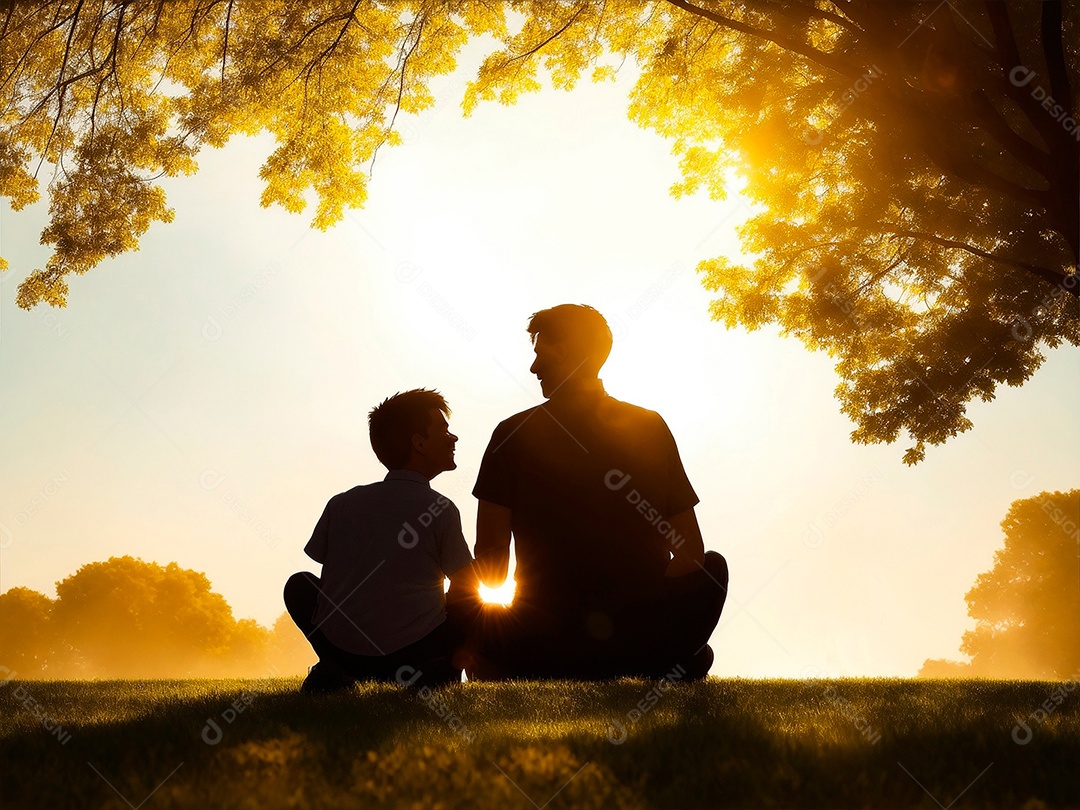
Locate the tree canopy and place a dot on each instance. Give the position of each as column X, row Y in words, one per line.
column 126, row 618
column 1027, row 607
column 915, row 165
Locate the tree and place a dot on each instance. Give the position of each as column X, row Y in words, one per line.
column 290, row 652
column 129, row 618
column 126, row 618
column 916, row 165
column 1027, row 607
column 25, row 634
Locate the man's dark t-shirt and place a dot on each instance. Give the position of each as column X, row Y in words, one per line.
column 591, row 483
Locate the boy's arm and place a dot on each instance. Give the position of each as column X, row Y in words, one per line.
column 464, row 585
column 454, row 557
column 316, row 546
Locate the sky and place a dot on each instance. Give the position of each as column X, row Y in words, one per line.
column 200, row 400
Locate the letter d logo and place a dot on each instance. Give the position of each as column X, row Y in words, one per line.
column 1021, row 75
column 211, row 329
column 210, row 479
column 407, row 537
column 211, row 733
column 616, row 733
column 1022, row 733
column 616, row 479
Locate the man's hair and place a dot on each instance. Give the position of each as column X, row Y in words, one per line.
column 392, row 423
column 579, row 327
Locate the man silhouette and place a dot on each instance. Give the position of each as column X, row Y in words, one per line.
column 379, row 611
column 612, row 577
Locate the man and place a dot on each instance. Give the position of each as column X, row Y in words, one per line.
column 612, row 574
column 379, row 610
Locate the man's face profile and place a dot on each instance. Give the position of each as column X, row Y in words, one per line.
column 548, row 365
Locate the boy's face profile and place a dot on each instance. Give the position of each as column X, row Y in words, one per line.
column 439, row 442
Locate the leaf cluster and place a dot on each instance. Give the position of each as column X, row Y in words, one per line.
column 916, row 195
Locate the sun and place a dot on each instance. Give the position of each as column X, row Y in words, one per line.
column 502, row 595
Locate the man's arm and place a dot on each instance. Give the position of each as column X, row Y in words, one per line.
column 492, row 550
column 687, row 545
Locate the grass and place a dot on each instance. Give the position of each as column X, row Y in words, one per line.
column 722, row 743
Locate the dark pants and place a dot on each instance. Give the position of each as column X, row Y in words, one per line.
column 423, row 663
column 650, row 638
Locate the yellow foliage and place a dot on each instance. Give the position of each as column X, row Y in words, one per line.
column 917, row 212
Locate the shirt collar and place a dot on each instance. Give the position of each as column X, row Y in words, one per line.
column 580, row 388
column 407, row 475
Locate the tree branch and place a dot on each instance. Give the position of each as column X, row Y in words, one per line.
column 570, row 21
column 403, row 62
column 826, row 60
column 225, row 44
column 1008, row 60
column 1023, row 150
column 1045, row 273
column 1054, row 53
column 805, row 12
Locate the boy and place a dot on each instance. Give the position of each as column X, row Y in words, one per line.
column 379, row 610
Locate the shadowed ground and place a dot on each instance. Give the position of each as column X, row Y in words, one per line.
column 721, row 743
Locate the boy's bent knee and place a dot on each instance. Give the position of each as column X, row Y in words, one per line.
column 301, row 589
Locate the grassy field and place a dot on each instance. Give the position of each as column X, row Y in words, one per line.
column 721, row 743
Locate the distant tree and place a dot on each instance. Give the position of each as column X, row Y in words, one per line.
column 944, row 668
column 128, row 618
column 290, row 653
column 27, row 641
column 916, row 165
column 1027, row 607
column 248, row 650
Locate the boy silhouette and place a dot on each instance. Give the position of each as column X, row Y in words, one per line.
column 379, row 608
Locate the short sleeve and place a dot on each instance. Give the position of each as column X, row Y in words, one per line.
column 453, row 551
column 316, row 546
column 681, row 495
column 495, row 481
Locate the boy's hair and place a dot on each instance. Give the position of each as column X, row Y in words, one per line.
column 393, row 422
column 579, row 327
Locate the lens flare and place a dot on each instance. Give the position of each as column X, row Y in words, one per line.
column 502, row 595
